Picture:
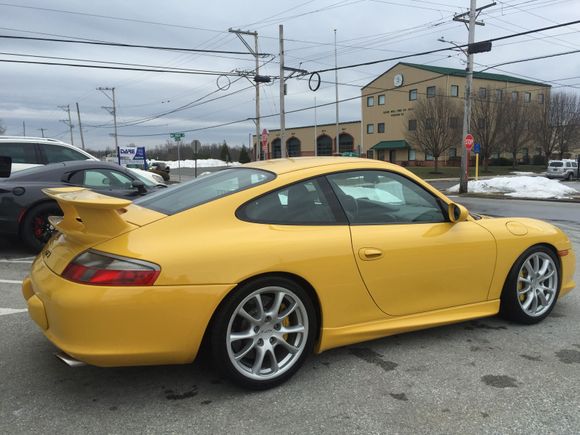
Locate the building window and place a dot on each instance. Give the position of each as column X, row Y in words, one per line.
column 499, row 94
column 430, row 91
column 429, row 156
column 412, row 124
column 514, row 95
column 454, row 91
column 412, row 155
column 541, row 98
column 370, row 101
column 525, row 152
column 482, row 93
column 527, row 97
column 381, row 127
column 370, row 128
column 381, row 100
column 429, row 123
column 452, row 152
column 453, row 122
column 412, row 94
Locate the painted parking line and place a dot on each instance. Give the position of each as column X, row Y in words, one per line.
column 6, row 311
column 17, row 261
column 10, row 281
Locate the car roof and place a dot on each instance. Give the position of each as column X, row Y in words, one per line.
column 64, row 167
column 282, row 166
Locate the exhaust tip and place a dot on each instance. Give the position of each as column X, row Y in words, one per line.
column 69, row 360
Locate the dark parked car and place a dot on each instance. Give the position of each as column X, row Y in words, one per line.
column 24, row 208
column 160, row 168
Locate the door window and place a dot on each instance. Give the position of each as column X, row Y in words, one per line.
column 57, row 154
column 19, row 152
column 381, row 197
column 101, row 179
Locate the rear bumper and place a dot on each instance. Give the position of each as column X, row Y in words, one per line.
column 120, row 326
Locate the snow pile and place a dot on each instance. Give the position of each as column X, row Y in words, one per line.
column 201, row 163
column 520, row 187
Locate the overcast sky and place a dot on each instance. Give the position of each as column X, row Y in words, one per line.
column 366, row 30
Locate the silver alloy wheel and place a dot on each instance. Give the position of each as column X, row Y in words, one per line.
column 537, row 284
column 267, row 333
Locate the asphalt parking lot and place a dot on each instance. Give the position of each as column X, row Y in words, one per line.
column 484, row 376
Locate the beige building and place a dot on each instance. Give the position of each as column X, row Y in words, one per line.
column 387, row 106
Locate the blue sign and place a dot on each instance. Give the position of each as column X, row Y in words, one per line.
column 477, row 148
column 132, row 157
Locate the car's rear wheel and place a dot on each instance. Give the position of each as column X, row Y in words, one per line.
column 263, row 332
column 532, row 286
column 36, row 230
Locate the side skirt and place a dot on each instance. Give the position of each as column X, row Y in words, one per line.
column 336, row 337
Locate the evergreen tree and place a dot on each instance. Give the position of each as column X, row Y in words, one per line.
column 225, row 153
column 244, row 156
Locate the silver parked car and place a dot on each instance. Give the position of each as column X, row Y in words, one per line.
column 566, row 169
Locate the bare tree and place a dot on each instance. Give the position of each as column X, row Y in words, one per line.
column 516, row 127
column 487, row 117
column 544, row 126
column 2, row 128
column 566, row 109
column 435, row 126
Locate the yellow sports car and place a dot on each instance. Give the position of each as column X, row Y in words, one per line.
column 267, row 262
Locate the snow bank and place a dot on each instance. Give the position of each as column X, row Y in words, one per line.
column 201, row 163
column 520, row 187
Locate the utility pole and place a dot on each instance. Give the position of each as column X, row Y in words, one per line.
column 80, row 127
column 42, row 131
column 23, row 128
column 336, row 94
column 112, row 110
column 471, row 23
column 68, row 122
column 257, row 80
column 282, row 93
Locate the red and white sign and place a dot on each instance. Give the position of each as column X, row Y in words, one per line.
column 469, row 142
column 264, row 140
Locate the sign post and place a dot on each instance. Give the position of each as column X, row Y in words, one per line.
column 264, row 143
column 177, row 137
column 476, row 150
column 468, row 145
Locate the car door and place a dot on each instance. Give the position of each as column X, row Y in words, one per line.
column 411, row 258
column 105, row 181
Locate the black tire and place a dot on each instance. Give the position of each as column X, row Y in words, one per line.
column 35, row 229
column 524, row 287
column 268, row 334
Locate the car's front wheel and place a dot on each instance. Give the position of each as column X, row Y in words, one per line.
column 532, row 286
column 263, row 332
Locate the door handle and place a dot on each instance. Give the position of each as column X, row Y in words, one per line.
column 370, row 253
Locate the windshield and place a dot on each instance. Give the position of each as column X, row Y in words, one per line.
column 204, row 189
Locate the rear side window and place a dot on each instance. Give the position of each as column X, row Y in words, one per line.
column 556, row 164
column 19, row 152
column 57, row 154
column 302, row 203
column 204, row 189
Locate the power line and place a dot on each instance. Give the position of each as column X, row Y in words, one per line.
column 501, row 38
column 119, row 44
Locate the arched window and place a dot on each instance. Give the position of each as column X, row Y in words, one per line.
column 324, row 145
column 346, row 143
column 276, row 150
column 293, row 145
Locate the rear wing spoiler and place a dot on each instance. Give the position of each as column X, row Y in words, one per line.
column 89, row 217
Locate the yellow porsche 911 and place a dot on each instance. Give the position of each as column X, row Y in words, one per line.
column 267, row 262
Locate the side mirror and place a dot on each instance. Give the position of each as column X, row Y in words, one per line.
column 457, row 212
column 140, row 186
column 5, row 166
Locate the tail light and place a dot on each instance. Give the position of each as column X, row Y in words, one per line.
column 98, row 268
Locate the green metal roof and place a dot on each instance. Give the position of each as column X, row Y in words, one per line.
column 390, row 145
column 476, row 75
